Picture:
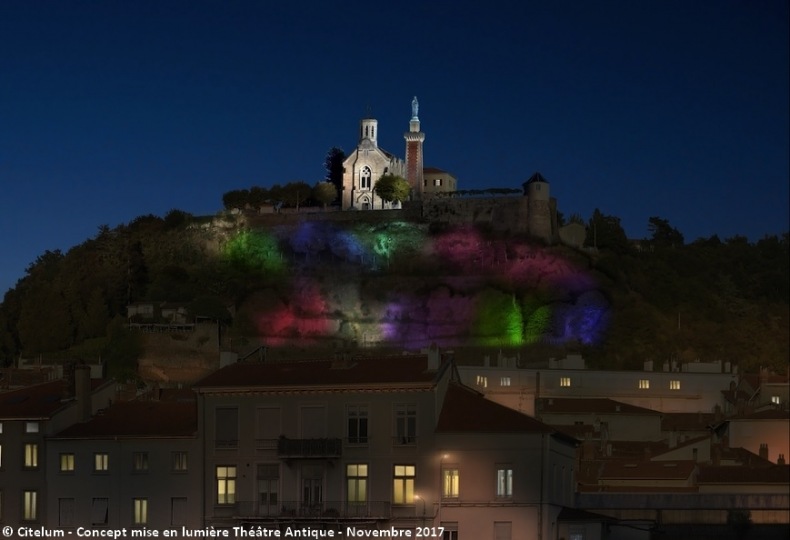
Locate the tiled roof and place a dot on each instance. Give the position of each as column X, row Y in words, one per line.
column 637, row 450
column 467, row 410
column 433, row 170
column 722, row 474
column 767, row 414
column 647, row 470
column 589, row 405
column 37, row 401
column 687, row 421
column 400, row 371
column 138, row 419
column 732, row 396
column 577, row 515
column 687, row 442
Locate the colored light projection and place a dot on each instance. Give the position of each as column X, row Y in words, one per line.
column 254, row 251
column 394, row 283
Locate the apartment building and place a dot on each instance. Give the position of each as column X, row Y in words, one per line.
column 28, row 417
column 376, row 443
column 134, row 465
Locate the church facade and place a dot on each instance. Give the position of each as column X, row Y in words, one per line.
column 368, row 162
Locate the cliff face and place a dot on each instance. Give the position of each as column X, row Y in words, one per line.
column 397, row 283
column 175, row 357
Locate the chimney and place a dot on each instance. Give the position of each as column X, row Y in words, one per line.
column 434, row 357
column 82, row 386
column 764, row 450
column 68, row 380
column 781, row 460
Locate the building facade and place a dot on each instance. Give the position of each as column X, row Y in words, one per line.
column 392, row 443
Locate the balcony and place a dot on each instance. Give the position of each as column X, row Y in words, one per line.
column 321, row 510
column 309, row 448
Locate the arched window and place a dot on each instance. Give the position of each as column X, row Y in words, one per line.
column 364, row 177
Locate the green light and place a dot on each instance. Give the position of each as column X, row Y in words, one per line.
column 255, row 251
column 537, row 323
column 499, row 320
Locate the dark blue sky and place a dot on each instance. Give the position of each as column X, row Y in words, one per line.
column 114, row 109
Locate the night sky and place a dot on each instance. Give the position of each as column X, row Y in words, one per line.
column 114, row 109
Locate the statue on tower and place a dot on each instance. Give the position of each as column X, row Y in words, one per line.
column 414, row 107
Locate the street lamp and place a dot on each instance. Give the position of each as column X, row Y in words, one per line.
column 423, row 505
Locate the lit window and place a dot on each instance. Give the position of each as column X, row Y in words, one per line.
column 776, row 400
column 31, row 427
column 101, row 462
column 504, row 482
column 482, row 381
column 674, row 385
column 30, row 510
column 644, row 384
column 139, row 511
column 140, row 460
column 226, row 484
column 31, row 456
column 437, row 182
column 403, row 484
column 357, row 424
column 66, row 462
column 180, row 461
column 504, row 381
column 405, row 424
column 450, row 483
column 357, row 482
column 565, row 381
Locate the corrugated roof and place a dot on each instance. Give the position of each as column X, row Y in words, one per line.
column 138, row 419
column 400, row 371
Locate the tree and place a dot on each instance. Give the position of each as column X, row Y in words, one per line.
column 325, row 193
column 334, row 168
column 235, row 199
column 177, row 218
column 257, row 197
column 605, row 232
column 296, row 193
column 392, row 188
column 663, row 234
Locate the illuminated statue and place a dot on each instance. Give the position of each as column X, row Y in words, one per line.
column 414, row 107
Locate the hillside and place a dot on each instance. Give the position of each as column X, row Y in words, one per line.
column 389, row 281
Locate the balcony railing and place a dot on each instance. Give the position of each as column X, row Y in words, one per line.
column 326, row 509
column 309, row 448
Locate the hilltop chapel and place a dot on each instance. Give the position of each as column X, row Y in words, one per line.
column 367, row 163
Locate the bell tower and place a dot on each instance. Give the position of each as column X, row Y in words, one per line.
column 414, row 139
